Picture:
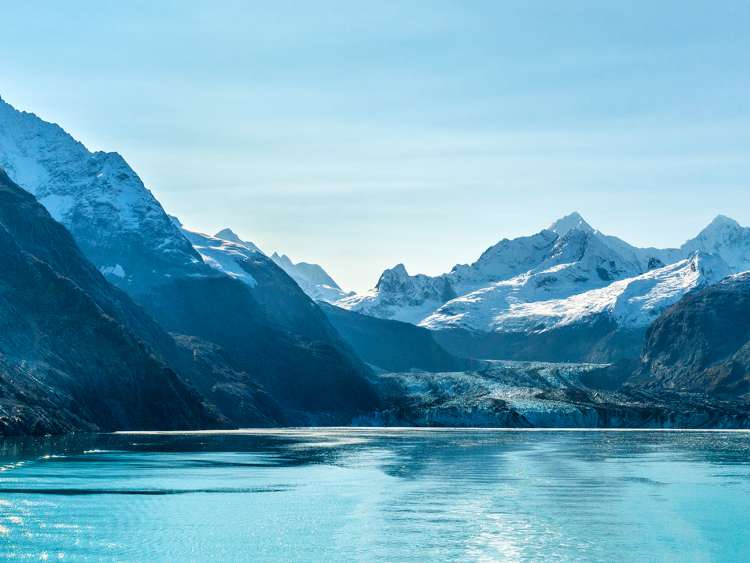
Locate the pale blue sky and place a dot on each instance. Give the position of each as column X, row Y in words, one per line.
column 363, row 134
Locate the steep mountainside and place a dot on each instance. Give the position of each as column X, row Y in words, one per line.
column 311, row 278
column 279, row 297
column 393, row 345
column 69, row 355
column 702, row 344
column 231, row 236
column 124, row 231
column 115, row 220
column 723, row 237
column 267, row 326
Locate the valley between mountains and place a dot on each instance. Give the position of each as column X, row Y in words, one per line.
column 116, row 316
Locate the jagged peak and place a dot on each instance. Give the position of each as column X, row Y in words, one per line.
column 570, row 222
column 718, row 228
column 282, row 260
column 228, row 234
column 722, row 221
column 398, row 269
column 578, row 236
column 398, row 272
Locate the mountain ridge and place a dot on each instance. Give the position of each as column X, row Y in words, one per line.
column 535, row 268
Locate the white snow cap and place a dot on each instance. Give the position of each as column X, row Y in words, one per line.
column 572, row 221
column 228, row 234
column 722, row 221
column 569, row 268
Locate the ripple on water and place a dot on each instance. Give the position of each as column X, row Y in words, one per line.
column 393, row 495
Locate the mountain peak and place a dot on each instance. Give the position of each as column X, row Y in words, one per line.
column 572, row 221
column 391, row 276
column 399, row 269
column 726, row 238
column 722, row 221
column 312, row 278
column 718, row 229
column 228, row 234
column 282, row 260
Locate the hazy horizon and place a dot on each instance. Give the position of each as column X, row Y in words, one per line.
column 360, row 136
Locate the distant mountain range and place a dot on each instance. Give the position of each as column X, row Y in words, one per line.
column 312, row 278
column 567, row 282
column 115, row 315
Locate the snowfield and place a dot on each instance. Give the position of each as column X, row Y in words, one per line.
column 566, row 274
column 632, row 302
column 223, row 255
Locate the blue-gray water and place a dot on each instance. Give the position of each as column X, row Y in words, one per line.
column 366, row 495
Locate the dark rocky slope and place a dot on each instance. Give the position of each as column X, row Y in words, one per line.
column 598, row 341
column 393, row 345
column 313, row 380
column 702, row 344
column 266, row 333
column 69, row 355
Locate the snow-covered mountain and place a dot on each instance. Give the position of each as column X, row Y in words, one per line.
column 566, row 258
column 115, row 220
column 631, row 303
column 646, row 258
column 401, row 297
column 724, row 237
column 567, row 273
column 231, row 236
column 312, row 278
column 225, row 255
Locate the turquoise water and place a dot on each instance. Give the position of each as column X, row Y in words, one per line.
column 364, row 495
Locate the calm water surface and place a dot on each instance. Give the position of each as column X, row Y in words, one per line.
column 365, row 495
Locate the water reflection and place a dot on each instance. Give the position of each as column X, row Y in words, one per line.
column 362, row 494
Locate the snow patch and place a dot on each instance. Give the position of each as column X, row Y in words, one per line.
column 116, row 270
column 222, row 255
